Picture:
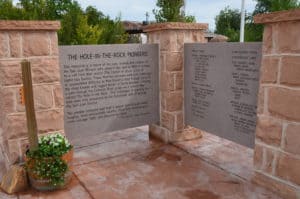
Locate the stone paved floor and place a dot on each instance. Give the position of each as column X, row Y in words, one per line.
column 128, row 165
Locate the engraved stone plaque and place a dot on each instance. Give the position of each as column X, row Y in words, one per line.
column 108, row 87
column 221, row 85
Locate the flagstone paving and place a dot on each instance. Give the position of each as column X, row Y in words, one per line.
column 129, row 165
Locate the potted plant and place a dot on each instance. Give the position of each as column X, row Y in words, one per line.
column 48, row 158
column 49, row 165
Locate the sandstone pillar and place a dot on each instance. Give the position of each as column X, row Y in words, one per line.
column 37, row 42
column 171, row 38
column 277, row 150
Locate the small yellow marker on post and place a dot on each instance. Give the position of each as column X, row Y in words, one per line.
column 22, row 96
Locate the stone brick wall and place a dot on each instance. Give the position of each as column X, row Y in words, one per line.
column 277, row 150
column 37, row 42
column 171, row 37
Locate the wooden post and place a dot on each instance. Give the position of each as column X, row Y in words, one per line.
column 29, row 105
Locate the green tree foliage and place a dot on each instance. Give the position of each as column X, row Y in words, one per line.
column 171, row 11
column 9, row 11
column 264, row 6
column 113, row 33
column 254, row 32
column 93, row 15
column 78, row 26
column 228, row 23
column 228, row 20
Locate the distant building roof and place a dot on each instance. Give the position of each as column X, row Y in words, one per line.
column 212, row 37
column 133, row 27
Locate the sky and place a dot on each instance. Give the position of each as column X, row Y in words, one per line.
column 135, row 10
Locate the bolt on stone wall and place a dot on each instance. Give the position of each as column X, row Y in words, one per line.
column 277, row 150
column 37, row 42
column 171, row 38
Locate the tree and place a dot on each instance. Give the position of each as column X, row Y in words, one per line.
column 228, row 20
column 228, row 23
column 67, row 35
column 171, row 11
column 8, row 11
column 254, row 32
column 114, row 31
column 77, row 26
column 93, row 15
column 264, row 6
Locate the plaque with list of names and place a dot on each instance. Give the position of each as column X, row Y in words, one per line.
column 221, row 83
column 108, row 88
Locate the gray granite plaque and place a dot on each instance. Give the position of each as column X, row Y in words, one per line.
column 221, row 85
column 108, row 87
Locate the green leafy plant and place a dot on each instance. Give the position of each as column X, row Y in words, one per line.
column 46, row 161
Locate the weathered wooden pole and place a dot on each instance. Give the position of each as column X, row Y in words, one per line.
column 29, row 105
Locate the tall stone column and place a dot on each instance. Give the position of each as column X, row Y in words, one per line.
column 277, row 147
column 171, row 38
column 37, row 42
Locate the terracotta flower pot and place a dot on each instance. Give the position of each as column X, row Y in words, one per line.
column 45, row 184
column 68, row 157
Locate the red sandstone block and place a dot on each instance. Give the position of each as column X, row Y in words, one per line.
column 168, row 120
column 275, row 17
column 258, row 157
column 178, row 80
column 15, row 126
column 284, row 103
column 260, row 100
column 292, row 138
column 4, row 46
column 7, row 103
column 174, row 61
column 171, row 81
column 54, row 43
column 162, row 62
column 269, row 69
column 173, row 101
column 290, row 71
column 167, row 81
column 11, row 73
column 168, row 40
column 58, row 96
column 8, row 100
column 282, row 189
column 51, row 120
column 43, row 98
column 180, row 40
column 29, row 25
column 268, row 39
column 45, row 70
column 269, row 131
column 36, row 44
column 268, row 161
column 179, row 122
column 288, row 168
column 288, row 37
column 197, row 36
column 15, row 44
column 263, row 158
